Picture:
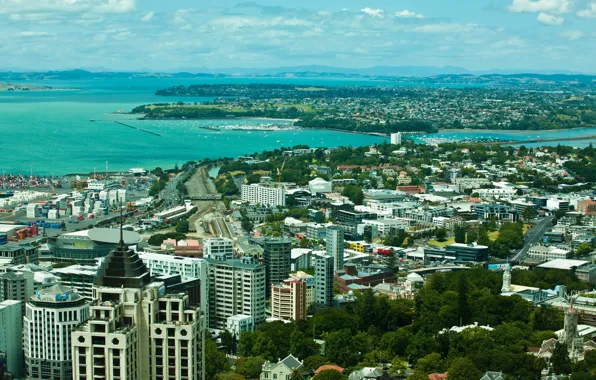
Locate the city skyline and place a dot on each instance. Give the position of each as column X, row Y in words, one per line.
column 542, row 35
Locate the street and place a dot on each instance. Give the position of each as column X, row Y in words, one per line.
column 533, row 237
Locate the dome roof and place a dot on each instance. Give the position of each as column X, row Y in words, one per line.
column 415, row 277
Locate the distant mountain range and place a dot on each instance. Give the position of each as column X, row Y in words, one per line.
column 427, row 74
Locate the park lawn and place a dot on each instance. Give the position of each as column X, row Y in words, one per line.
column 493, row 235
column 526, row 228
column 436, row 243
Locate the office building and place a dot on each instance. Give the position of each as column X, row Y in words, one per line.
column 324, row 270
column 237, row 324
column 17, row 286
column 277, row 256
column 135, row 330
column 51, row 316
column 319, row 185
column 11, row 336
column 235, row 287
column 457, row 252
column 12, row 253
column 547, row 253
column 288, row 300
column 79, row 277
column 218, row 247
column 494, row 210
column 335, row 246
column 269, row 195
column 396, row 138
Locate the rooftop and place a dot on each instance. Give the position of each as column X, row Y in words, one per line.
column 565, row 264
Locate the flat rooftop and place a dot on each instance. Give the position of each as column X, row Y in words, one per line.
column 564, row 264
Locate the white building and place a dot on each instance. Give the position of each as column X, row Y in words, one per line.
column 135, row 330
column 470, row 183
column 270, row 195
column 497, row 192
column 235, row 287
column 215, row 247
column 11, row 336
column 52, row 314
column 78, row 277
column 335, row 246
column 384, row 226
column 396, row 138
column 237, row 324
column 543, row 253
column 319, row 185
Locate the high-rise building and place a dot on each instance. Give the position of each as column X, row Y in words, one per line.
column 79, row 277
column 17, row 286
column 335, row 246
column 277, row 255
column 218, row 247
column 135, row 330
column 324, row 281
column 11, row 336
column 396, row 138
column 270, row 195
column 235, row 287
column 52, row 314
column 288, row 300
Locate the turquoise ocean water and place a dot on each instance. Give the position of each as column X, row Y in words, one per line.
column 53, row 130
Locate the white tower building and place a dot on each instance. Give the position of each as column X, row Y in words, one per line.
column 51, row 315
column 506, row 280
column 396, row 138
column 335, row 246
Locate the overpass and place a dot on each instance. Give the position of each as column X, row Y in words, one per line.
column 207, row 197
column 431, row 270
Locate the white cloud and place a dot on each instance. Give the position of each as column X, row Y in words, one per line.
column 589, row 12
column 514, row 42
column 546, row 19
column 408, row 14
column 446, row 28
column 66, row 6
column 373, row 12
column 534, row 6
column 34, row 34
column 148, row 17
column 572, row 35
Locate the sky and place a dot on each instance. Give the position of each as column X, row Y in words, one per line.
column 166, row 35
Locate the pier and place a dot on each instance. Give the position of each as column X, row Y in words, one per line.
column 138, row 129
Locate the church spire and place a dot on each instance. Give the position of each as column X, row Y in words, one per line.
column 121, row 246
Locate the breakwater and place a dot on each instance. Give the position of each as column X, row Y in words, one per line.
column 139, row 129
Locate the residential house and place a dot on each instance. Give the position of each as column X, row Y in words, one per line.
column 282, row 370
column 366, row 373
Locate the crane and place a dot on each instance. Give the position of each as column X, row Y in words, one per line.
column 279, row 171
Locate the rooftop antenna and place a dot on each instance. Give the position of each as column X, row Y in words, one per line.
column 121, row 246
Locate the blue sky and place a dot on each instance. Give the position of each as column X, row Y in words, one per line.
column 171, row 34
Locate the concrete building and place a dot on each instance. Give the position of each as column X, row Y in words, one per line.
column 493, row 210
column 270, row 195
column 51, row 316
column 218, row 246
column 237, row 324
column 384, row 226
column 396, row 138
column 544, row 253
column 310, row 286
column 288, row 300
column 11, row 336
column 277, row 255
column 586, row 207
column 17, row 286
column 12, row 253
column 335, row 246
column 324, row 270
column 235, row 287
column 86, row 246
column 457, row 252
column 79, row 277
column 137, row 331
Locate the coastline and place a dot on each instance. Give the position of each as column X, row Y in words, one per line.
column 513, row 131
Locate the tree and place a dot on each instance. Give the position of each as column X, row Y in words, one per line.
column 398, row 366
column 430, row 363
column 392, row 262
column 341, row 349
column 182, row 226
column 354, row 193
column 329, row 374
column 441, row 234
column 418, row 376
column 229, row 376
column 217, row 360
column 228, row 341
column 463, row 369
column 560, row 359
column 460, row 233
column 296, row 375
column 583, row 249
column 483, row 238
column 250, row 367
column 312, row 363
column 472, row 236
